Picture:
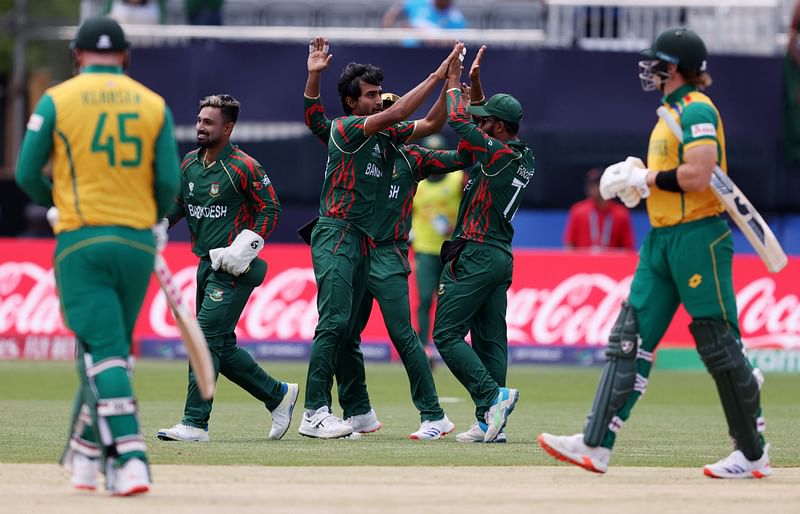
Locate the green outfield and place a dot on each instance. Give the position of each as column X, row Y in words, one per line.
column 678, row 422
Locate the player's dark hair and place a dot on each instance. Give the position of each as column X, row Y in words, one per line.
column 350, row 81
column 699, row 79
column 225, row 103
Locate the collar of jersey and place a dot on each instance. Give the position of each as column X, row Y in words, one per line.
column 221, row 156
column 98, row 68
column 678, row 94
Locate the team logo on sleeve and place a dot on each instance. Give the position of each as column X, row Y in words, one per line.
column 214, row 189
column 35, row 122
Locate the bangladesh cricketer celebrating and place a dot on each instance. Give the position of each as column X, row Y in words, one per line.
column 388, row 277
column 478, row 260
column 114, row 173
column 685, row 259
column 361, row 150
column 231, row 208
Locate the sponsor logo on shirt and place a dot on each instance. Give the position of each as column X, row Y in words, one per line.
column 214, row 189
column 210, row 211
column 704, row 130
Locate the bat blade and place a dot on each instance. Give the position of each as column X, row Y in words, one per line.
column 192, row 336
column 740, row 209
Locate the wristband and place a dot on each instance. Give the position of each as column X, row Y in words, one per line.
column 668, row 181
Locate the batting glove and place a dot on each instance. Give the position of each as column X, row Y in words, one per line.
column 628, row 173
column 160, row 234
column 235, row 259
column 630, row 197
column 52, row 217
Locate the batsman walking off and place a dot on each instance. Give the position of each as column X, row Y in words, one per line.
column 686, row 259
column 114, row 174
column 231, row 208
column 478, row 260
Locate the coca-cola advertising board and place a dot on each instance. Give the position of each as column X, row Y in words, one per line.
column 561, row 306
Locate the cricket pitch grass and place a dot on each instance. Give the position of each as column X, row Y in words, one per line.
column 656, row 467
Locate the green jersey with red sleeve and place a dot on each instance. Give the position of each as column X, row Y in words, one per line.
column 494, row 190
column 357, row 179
column 221, row 199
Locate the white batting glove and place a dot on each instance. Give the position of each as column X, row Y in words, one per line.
column 52, row 217
column 236, row 258
column 630, row 172
column 630, row 197
column 215, row 254
column 160, row 234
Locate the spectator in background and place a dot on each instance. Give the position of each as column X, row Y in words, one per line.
column 432, row 220
column 204, row 12
column 137, row 11
column 427, row 15
column 791, row 92
column 597, row 223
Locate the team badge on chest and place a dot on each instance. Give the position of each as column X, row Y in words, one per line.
column 214, row 189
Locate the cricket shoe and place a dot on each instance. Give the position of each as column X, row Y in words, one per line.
column 572, row 449
column 736, row 465
column 476, row 434
column 130, row 479
column 431, row 430
column 182, row 432
column 282, row 414
column 498, row 413
column 84, row 472
column 324, row 425
column 365, row 423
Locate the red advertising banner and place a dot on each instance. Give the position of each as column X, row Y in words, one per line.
column 557, row 300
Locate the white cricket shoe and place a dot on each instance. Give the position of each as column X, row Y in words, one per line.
column 132, row 478
column 736, row 465
column 181, row 432
column 365, row 423
column 324, row 425
column 572, row 449
column 498, row 413
column 476, row 434
column 430, row 430
column 282, row 414
column 84, row 472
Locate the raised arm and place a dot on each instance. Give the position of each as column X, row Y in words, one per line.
column 318, row 60
column 476, row 88
column 410, row 102
column 434, row 120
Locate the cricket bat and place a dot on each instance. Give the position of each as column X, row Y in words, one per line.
column 191, row 335
column 739, row 208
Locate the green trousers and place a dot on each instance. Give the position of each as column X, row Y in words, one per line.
column 102, row 275
column 221, row 298
column 428, row 268
column 388, row 284
column 340, row 255
column 689, row 264
column 472, row 298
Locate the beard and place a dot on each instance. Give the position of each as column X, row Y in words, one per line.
column 206, row 140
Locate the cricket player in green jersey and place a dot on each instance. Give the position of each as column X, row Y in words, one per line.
column 114, row 174
column 361, row 153
column 388, row 278
column 479, row 262
column 230, row 207
column 686, row 259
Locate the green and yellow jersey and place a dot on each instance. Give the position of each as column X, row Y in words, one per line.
column 494, row 190
column 221, row 199
column 357, row 175
column 701, row 125
column 434, row 200
column 113, row 153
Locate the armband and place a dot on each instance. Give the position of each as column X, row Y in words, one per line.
column 668, row 181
